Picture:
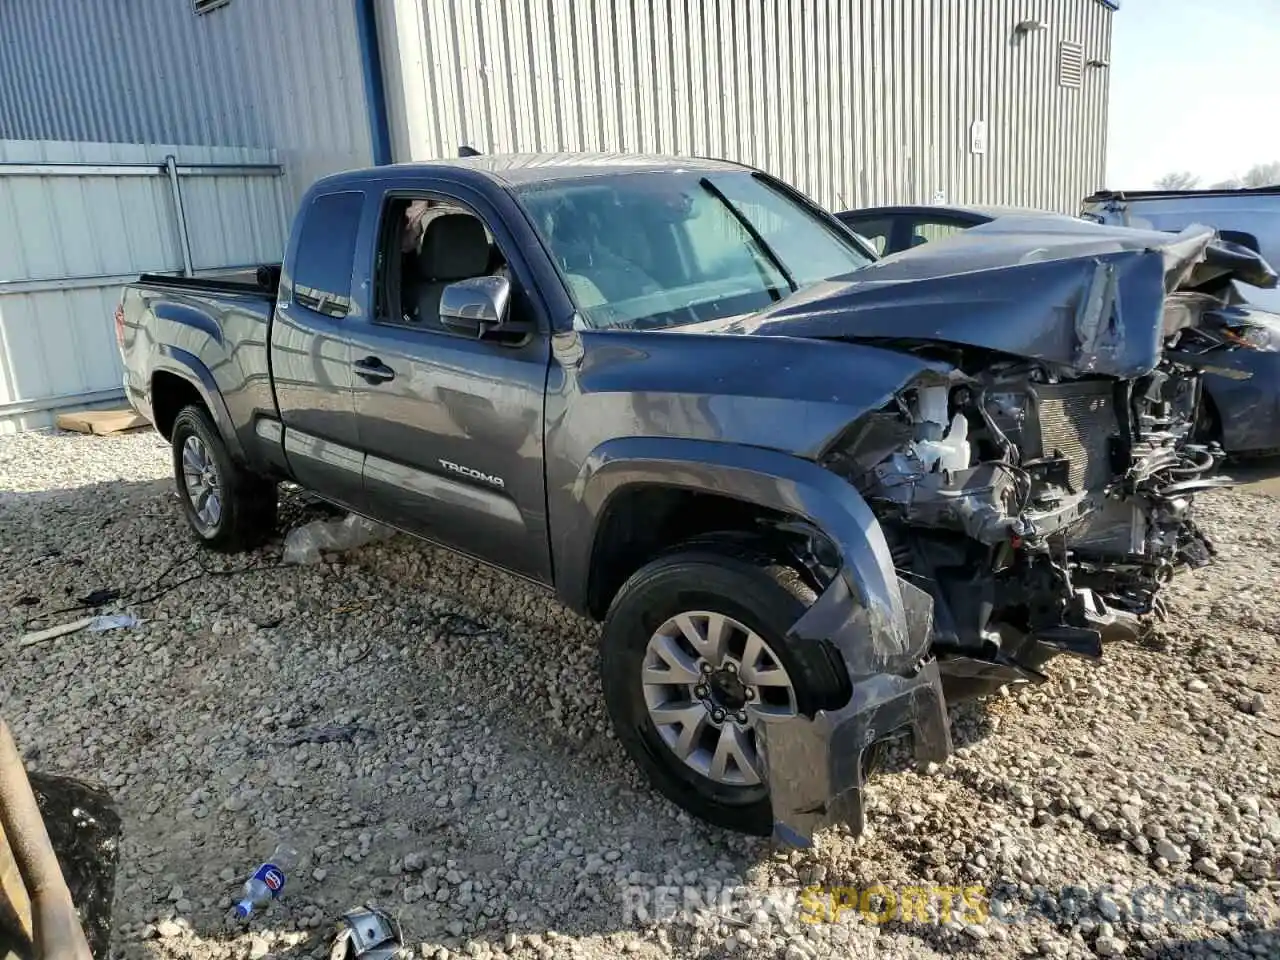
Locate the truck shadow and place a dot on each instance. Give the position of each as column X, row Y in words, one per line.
column 1261, row 942
column 432, row 729
column 1260, row 475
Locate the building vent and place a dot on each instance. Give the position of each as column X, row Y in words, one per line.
column 1070, row 63
column 204, row 6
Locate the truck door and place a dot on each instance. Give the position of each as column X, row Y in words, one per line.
column 451, row 426
column 310, row 357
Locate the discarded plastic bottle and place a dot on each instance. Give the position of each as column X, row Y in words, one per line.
column 267, row 881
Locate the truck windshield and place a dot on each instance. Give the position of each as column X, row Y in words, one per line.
column 653, row 250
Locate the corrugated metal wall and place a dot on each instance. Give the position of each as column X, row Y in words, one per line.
column 71, row 241
column 280, row 75
column 857, row 102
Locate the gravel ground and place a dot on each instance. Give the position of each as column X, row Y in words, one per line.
column 430, row 735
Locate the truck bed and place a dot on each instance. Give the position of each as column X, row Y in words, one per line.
column 265, row 280
column 202, row 334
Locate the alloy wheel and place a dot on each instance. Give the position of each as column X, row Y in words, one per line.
column 203, row 485
column 709, row 682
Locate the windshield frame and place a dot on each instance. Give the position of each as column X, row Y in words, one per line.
column 705, row 180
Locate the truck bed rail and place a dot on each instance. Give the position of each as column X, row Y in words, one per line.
column 266, row 282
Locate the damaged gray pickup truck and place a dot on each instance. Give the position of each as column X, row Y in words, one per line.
column 804, row 490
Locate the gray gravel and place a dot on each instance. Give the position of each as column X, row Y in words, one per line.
column 430, row 734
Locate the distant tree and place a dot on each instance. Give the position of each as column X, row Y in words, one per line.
column 1263, row 175
column 1232, row 184
column 1178, row 180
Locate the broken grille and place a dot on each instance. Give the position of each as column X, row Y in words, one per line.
column 1076, row 421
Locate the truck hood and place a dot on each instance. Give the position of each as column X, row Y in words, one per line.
column 1082, row 295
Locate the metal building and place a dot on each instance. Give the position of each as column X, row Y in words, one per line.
column 856, row 102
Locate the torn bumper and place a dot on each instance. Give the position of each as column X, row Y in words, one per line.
column 816, row 767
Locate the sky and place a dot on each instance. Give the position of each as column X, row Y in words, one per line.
column 1195, row 85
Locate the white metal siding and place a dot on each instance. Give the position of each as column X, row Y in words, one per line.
column 253, row 73
column 856, row 102
column 90, row 231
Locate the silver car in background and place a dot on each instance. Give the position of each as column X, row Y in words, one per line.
column 1241, row 408
column 1243, row 414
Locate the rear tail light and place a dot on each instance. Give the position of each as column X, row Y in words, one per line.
column 120, row 324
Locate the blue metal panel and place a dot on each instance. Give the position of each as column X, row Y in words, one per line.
column 375, row 96
column 248, row 74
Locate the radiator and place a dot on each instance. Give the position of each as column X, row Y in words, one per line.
column 1076, row 421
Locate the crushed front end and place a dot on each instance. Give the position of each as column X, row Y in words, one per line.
column 1030, row 506
column 1041, row 513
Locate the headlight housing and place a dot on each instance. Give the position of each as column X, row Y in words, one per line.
column 1253, row 337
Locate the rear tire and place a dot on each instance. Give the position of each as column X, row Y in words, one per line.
column 227, row 507
column 754, row 596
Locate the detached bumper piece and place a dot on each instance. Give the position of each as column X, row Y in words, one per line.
column 817, row 767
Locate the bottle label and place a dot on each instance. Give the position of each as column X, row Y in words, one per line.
column 272, row 876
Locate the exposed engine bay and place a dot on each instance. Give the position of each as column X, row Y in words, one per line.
column 1043, row 503
column 1023, row 489
column 1041, row 511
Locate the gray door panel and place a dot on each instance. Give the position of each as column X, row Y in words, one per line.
column 311, row 371
column 310, row 356
column 451, row 426
column 454, row 443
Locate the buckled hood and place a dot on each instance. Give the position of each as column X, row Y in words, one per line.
column 1091, row 298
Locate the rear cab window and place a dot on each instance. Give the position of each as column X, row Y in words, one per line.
column 875, row 230
column 925, row 230
column 325, row 257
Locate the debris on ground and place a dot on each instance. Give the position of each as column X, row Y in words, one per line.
column 306, row 544
column 101, row 422
column 338, row 733
column 114, row 621
column 99, row 598
column 52, row 633
column 265, row 883
column 1109, row 810
column 367, row 934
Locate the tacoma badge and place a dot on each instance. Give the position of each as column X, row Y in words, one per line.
column 473, row 474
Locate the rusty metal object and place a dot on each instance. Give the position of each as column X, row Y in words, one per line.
column 15, row 905
column 54, row 924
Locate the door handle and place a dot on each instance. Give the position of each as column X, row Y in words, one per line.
column 374, row 370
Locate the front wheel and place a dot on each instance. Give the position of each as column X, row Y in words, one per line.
column 226, row 506
column 695, row 657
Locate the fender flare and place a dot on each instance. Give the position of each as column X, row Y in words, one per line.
column 880, row 626
column 187, row 366
column 767, row 478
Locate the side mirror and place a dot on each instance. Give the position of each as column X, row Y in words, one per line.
column 478, row 306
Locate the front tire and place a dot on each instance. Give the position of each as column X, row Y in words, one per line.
column 227, row 507
column 694, row 655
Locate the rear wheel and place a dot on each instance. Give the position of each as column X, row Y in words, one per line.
column 695, row 658
column 226, row 506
